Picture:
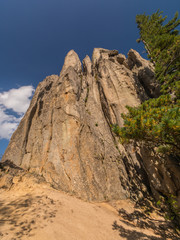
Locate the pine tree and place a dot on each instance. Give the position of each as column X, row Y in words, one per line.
column 162, row 43
column 157, row 121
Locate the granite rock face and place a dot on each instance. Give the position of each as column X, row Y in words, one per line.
column 66, row 134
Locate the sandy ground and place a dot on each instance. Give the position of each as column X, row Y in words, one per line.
column 38, row 212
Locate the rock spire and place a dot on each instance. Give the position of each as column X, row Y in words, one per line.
column 66, row 133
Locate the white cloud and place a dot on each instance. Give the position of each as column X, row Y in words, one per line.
column 8, row 124
column 17, row 100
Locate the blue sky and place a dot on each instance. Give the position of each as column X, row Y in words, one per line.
column 36, row 35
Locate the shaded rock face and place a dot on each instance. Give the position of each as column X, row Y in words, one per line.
column 66, row 134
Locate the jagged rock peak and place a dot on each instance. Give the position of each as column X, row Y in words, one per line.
column 72, row 60
column 101, row 53
column 87, row 65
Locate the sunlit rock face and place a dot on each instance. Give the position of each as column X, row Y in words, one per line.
column 66, row 134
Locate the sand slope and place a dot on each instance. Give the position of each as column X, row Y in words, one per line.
column 30, row 210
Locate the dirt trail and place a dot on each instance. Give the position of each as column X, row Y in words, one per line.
column 33, row 211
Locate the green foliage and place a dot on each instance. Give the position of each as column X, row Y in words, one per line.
column 157, row 121
column 162, row 43
column 170, row 206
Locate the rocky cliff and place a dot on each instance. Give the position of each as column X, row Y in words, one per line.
column 66, row 134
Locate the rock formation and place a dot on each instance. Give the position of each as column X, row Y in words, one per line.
column 66, row 134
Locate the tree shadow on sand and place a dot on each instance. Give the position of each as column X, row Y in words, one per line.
column 138, row 221
column 22, row 215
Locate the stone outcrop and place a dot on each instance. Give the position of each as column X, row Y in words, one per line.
column 66, row 134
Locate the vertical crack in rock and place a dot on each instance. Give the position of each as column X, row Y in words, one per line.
column 48, row 144
column 104, row 104
column 28, row 126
